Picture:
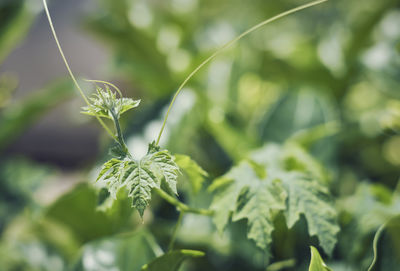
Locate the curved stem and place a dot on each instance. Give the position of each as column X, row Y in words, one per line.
column 69, row 69
column 181, row 206
column 375, row 245
column 227, row 45
column 175, row 232
column 106, row 83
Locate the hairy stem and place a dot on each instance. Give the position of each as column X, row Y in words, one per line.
column 70, row 71
column 175, row 232
column 120, row 137
column 227, row 45
column 181, row 206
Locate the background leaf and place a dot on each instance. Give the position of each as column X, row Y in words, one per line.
column 317, row 264
column 172, row 260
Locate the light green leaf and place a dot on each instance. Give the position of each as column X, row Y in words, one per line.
column 139, row 180
column 140, row 177
column 249, row 197
column 195, row 173
column 127, row 104
column 304, row 179
column 227, row 189
column 105, row 104
column 257, row 204
column 166, row 165
column 171, row 261
column 260, row 187
column 308, row 197
column 317, row 264
column 110, row 167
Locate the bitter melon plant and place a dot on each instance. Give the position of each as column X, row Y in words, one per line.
column 274, row 180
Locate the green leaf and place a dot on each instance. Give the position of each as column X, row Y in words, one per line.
column 260, row 187
column 140, row 177
column 78, row 211
column 195, row 173
column 165, row 164
column 304, row 179
column 121, row 252
column 105, row 104
column 308, row 197
column 257, row 204
column 171, row 261
column 249, row 197
column 317, row 264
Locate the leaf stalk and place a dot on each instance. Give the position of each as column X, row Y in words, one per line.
column 181, row 206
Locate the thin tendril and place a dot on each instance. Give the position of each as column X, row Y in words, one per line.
column 227, row 45
column 375, row 245
column 69, row 69
column 106, row 83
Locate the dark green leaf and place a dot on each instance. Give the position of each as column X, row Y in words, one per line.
column 171, row 261
column 78, row 211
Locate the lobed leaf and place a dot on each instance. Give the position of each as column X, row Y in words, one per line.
column 307, row 196
column 140, row 177
column 259, row 188
column 249, row 197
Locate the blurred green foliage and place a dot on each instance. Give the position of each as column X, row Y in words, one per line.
column 328, row 77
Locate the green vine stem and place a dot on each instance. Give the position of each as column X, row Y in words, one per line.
column 120, row 137
column 227, row 45
column 70, row 71
column 175, row 232
column 181, row 206
column 375, row 245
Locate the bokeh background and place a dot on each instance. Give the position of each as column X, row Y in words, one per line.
column 335, row 65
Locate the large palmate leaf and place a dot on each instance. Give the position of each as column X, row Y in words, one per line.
column 275, row 180
column 140, row 177
column 250, row 196
column 172, row 260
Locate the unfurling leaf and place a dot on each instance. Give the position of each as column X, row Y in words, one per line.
column 105, row 104
column 171, row 261
column 140, row 177
column 195, row 173
column 261, row 187
column 317, row 264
